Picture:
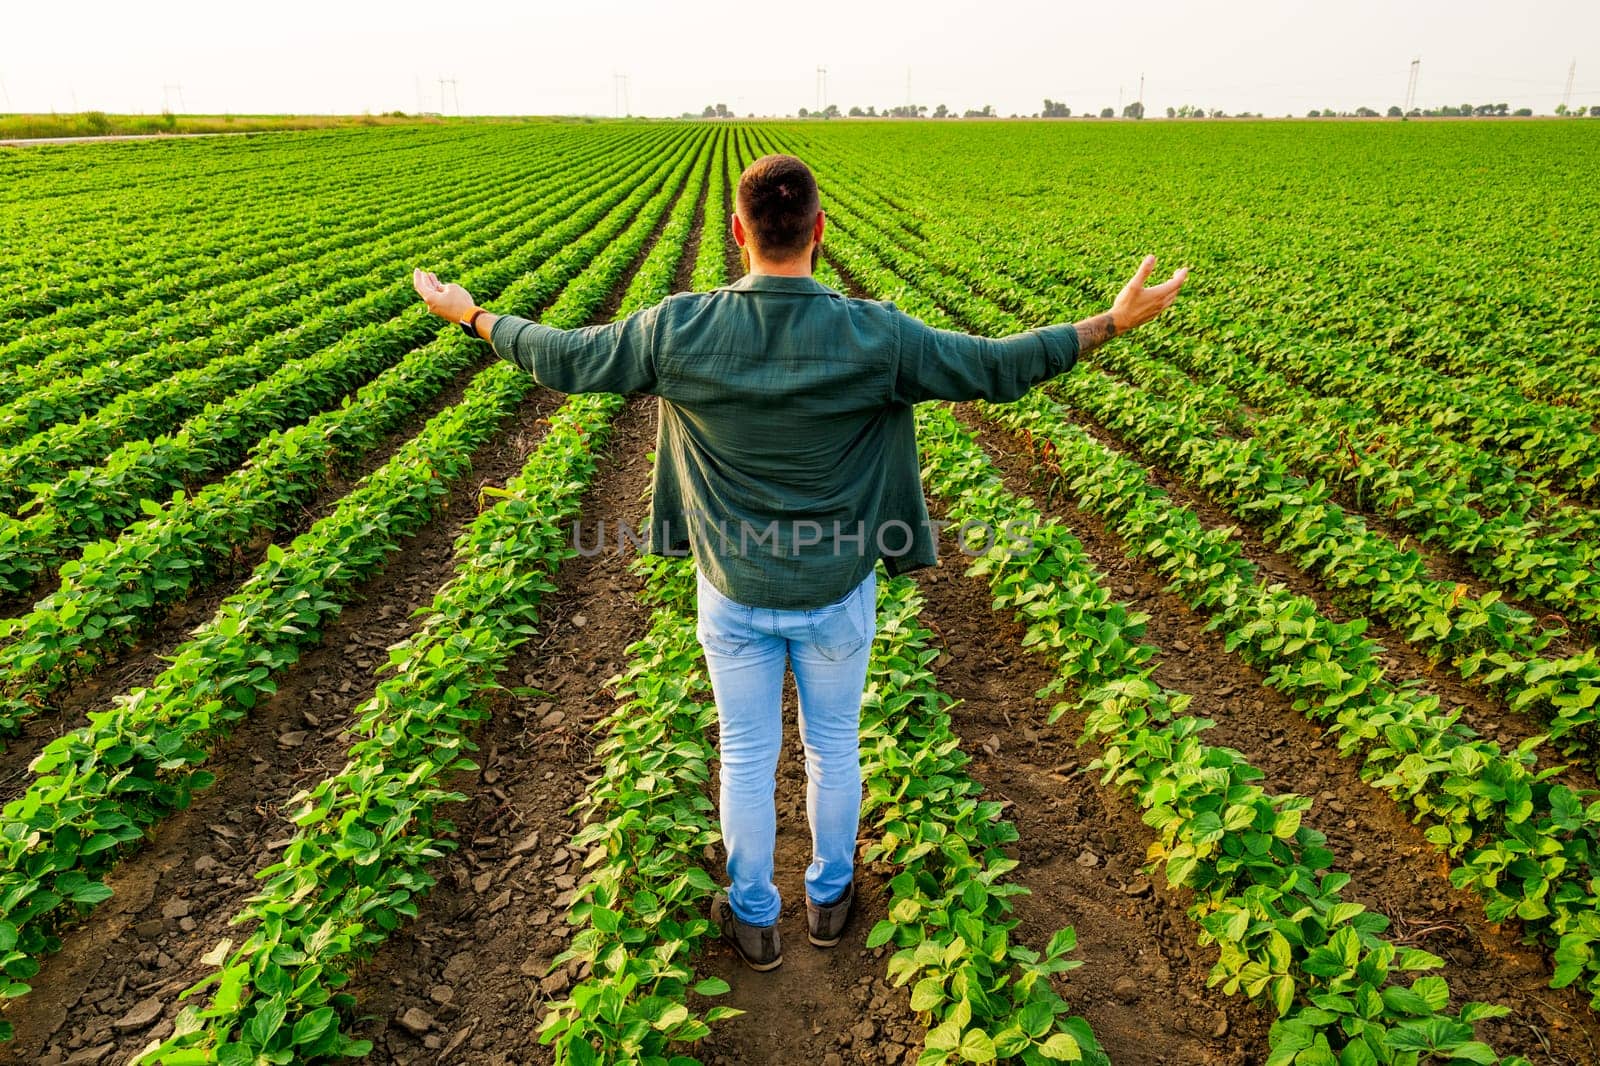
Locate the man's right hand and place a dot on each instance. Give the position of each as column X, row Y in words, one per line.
column 1137, row 304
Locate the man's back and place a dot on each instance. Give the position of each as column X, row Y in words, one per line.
column 779, row 420
column 787, row 450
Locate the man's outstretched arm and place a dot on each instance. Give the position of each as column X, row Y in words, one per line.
column 943, row 365
column 615, row 357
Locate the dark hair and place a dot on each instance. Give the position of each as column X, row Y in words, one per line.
column 778, row 202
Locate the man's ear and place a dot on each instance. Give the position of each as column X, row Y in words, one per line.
column 816, row 230
column 738, row 231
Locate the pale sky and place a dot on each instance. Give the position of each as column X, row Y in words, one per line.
column 298, row 56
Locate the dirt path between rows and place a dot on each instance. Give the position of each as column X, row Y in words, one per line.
column 827, row 1006
column 1396, row 871
column 174, row 898
column 140, row 663
column 1481, row 708
column 1143, row 983
column 466, row 981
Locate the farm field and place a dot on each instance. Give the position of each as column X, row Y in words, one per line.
column 1275, row 741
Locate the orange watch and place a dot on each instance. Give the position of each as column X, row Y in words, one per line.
column 470, row 323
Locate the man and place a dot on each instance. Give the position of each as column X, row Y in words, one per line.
column 787, row 465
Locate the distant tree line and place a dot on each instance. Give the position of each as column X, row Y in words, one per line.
column 1447, row 111
column 1135, row 110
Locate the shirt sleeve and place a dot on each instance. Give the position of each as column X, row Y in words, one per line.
column 938, row 364
column 616, row 357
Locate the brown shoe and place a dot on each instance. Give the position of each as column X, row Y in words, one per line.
column 825, row 924
column 757, row 945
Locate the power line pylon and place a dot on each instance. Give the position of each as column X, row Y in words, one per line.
column 1411, row 84
column 822, row 88
column 1566, row 96
column 454, row 94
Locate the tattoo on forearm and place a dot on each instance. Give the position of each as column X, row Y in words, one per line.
column 1093, row 332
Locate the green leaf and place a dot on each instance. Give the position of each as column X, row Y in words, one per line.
column 711, row 986
column 1062, row 942
column 881, row 934
column 927, row 994
column 1062, row 1048
column 977, row 1046
column 313, row 1025
column 90, row 892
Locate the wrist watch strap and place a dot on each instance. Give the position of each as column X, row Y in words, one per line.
column 470, row 323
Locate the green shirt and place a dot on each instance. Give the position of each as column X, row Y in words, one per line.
column 786, row 454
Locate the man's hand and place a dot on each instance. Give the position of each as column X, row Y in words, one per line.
column 1134, row 306
column 450, row 302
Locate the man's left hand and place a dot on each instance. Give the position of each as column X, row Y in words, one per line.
column 450, row 302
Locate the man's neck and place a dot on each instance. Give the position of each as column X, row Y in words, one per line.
column 800, row 268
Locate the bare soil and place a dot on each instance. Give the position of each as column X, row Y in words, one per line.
column 1482, row 709
column 173, row 899
column 1143, row 983
column 142, row 661
column 466, row 982
column 1396, row 871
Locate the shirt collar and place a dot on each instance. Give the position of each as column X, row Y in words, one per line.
column 780, row 283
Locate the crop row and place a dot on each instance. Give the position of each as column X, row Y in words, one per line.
column 1525, row 844
column 640, row 910
column 97, row 789
column 92, row 501
column 641, row 907
column 109, row 294
column 365, row 836
column 1540, row 440
column 88, row 414
column 983, row 997
column 1483, row 637
column 229, row 424
column 226, row 221
column 357, row 862
column 43, row 353
column 1013, row 276
column 1470, row 503
column 1263, row 889
column 1488, row 640
column 107, row 595
column 89, row 373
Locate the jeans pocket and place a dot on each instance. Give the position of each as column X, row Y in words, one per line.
column 718, row 642
column 840, row 630
column 722, row 626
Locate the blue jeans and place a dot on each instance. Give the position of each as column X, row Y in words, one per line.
column 747, row 649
